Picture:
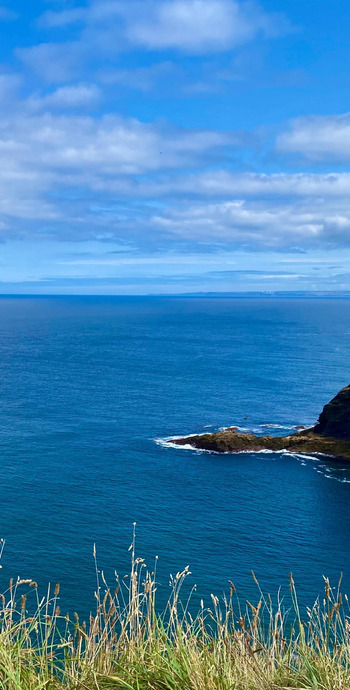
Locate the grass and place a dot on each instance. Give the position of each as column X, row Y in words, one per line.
column 127, row 645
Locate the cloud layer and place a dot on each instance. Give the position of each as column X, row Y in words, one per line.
column 108, row 177
column 112, row 132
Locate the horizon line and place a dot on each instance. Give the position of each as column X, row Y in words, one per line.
column 248, row 293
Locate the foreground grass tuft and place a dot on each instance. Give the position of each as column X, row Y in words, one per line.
column 127, row 645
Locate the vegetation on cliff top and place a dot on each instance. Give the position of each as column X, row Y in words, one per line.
column 127, row 645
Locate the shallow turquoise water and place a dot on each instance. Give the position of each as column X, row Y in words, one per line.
column 88, row 384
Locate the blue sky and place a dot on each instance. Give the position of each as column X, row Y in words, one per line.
column 170, row 146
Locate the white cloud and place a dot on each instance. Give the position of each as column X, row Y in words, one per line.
column 192, row 26
column 67, row 97
column 101, row 30
column 99, row 177
column 9, row 87
column 77, row 176
column 142, row 78
column 108, row 145
column 7, row 14
column 259, row 224
column 197, row 25
column 318, row 137
column 54, row 62
column 63, row 18
column 44, row 156
column 221, row 183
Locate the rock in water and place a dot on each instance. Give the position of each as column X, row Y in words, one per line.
column 334, row 420
column 330, row 436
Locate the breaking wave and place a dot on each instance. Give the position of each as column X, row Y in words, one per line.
column 328, row 472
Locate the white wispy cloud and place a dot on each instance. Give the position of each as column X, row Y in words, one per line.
column 67, row 98
column 10, row 84
column 142, row 78
column 259, row 224
column 54, row 62
column 198, row 25
column 223, row 183
column 104, row 28
column 75, row 176
column 57, row 19
column 72, row 175
column 318, row 138
column 7, row 14
column 109, row 145
column 45, row 155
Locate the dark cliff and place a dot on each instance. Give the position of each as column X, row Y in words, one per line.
column 334, row 420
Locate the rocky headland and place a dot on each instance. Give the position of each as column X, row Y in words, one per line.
column 331, row 435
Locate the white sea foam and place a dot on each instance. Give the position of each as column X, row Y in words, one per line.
column 165, row 439
column 303, row 458
column 257, row 429
column 167, row 443
column 336, row 479
column 184, row 446
column 299, row 456
column 234, row 426
column 276, row 426
column 251, row 452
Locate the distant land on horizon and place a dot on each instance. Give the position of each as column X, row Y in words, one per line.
column 268, row 293
column 249, row 294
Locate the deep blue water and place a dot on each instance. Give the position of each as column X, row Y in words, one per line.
column 88, row 384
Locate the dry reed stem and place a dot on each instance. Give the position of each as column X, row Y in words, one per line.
column 126, row 644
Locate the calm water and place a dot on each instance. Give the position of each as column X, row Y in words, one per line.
column 88, row 384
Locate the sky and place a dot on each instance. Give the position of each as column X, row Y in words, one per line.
column 174, row 146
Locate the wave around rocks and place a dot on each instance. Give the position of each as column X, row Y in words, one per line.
column 313, row 460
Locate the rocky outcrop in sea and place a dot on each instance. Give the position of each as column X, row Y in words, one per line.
column 331, row 435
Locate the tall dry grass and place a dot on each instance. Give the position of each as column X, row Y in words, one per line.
column 128, row 644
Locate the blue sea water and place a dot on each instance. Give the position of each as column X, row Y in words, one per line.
column 87, row 386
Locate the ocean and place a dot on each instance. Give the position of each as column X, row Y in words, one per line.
column 90, row 386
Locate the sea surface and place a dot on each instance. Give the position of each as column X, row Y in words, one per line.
column 90, row 387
